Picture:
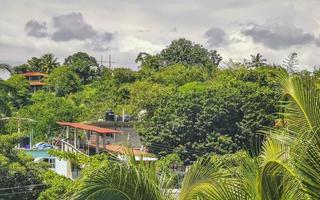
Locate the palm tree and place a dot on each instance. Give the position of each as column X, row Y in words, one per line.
column 48, row 62
column 6, row 68
column 257, row 61
column 35, row 64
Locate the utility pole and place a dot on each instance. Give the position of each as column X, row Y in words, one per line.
column 101, row 61
column 110, row 62
column 19, row 119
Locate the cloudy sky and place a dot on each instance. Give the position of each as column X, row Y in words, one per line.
column 123, row 28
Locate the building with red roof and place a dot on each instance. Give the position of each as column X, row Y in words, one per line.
column 35, row 80
column 88, row 139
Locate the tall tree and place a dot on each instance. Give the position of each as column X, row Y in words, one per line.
column 6, row 68
column 48, row 62
column 291, row 63
column 35, row 64
column 182, row 51
column 84, row 65
column 257, row 60
column 63, row 81
column 45, row 64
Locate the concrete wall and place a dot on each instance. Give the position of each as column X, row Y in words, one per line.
column 127, row 127
column 62, row 167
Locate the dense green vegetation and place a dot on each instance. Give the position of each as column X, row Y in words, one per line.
column 286, row 168
column 182, row 101
column 187, row 110
column 18, row 172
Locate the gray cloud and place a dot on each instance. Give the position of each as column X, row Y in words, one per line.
column 318, row 41
column 36, row 29
column 278, row 36
column 100, row 42
column 216, row 37
column 72, row 26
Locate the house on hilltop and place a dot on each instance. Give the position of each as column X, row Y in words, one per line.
column 35, row 80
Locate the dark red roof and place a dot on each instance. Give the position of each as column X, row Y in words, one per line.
column 27, row 74
column 89, row 127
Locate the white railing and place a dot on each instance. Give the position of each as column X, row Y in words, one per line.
column 67, row 147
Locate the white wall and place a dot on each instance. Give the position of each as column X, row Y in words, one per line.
column 62, row 167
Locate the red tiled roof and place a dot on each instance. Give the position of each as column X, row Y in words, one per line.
column 27, row 74
column 37, row 83
column 89, row 127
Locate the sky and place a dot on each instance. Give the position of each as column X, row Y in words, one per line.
column 123, row 28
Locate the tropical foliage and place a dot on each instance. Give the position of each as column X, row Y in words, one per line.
column 63, row 81
column 20, row 177
column 247, row 131
column 287, row 167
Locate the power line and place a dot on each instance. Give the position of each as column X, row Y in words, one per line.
column 13, row 193
column 171, row 149
column 18, row 187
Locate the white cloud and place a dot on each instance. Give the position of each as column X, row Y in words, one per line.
column 130, row 43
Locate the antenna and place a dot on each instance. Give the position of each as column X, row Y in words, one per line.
column 110, row 62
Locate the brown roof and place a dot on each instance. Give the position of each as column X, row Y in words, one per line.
column 27, row 74
column 37, row 83
column 89, row 127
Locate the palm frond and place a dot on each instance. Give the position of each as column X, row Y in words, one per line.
column 210, row 179
column 126, row 179
column 6, row 67
column 307, row 163
column 278, row 179
column 302, row 109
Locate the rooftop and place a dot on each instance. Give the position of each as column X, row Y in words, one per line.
column 89, row 127
column 36, row 83
column 27, row 74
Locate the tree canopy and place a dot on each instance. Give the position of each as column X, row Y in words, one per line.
column 181, row 51
column 84, row 65
column 63, row 81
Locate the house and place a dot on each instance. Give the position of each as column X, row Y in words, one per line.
column 88, row 140
column 35, row 80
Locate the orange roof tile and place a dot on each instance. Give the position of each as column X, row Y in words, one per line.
column 37, row 83
column 27, row 74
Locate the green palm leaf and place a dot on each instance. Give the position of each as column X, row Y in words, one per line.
column 124, row 180
column 278, row 179
column 302, row 110
column 210, row 179
column 307, row 163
